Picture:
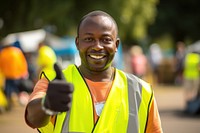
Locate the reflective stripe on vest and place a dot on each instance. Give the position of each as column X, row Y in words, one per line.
column 125, row 111
column 140, row 99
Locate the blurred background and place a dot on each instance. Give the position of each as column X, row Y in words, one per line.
column 159, row 43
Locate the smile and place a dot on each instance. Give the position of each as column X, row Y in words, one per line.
column 97, row 56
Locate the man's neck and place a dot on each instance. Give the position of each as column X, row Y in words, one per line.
column 106, row 75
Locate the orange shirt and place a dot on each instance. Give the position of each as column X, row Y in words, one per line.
column 99, row 92
column 154, row 123
column 40, row 89
column 13, row 64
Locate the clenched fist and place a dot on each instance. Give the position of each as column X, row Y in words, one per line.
column 59, row 93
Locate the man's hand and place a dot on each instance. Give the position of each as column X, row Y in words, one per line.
column 59, row 93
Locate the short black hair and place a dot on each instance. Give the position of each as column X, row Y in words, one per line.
column 97, row 13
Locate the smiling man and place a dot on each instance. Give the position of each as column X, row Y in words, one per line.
column 97, row 43
column 93, row 97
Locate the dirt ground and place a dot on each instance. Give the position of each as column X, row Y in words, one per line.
column 170, row 103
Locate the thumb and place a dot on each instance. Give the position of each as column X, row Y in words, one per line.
column 59, row 74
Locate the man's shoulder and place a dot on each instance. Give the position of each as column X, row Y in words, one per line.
column 140, row 81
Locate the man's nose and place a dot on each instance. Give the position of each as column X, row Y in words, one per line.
column 98, row 45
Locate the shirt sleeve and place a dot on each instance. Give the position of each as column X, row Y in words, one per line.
column 154, row 122
column 40, row 89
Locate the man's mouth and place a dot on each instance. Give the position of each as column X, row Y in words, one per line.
column 97, row 56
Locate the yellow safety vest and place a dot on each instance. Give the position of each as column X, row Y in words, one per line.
column 191, row 66
column 125, row 111
column 45, row 60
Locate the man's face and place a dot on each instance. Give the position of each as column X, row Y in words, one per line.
column 97, row 42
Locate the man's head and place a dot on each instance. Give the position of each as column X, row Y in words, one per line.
column 96, row 13
column 97, row 40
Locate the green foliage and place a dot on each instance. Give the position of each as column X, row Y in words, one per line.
column 179, row 18
column 137, row 19
column 62, row 16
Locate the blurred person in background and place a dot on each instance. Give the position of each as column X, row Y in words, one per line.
column 3, row 100
column 179, row 62
column 118, row 61
column 191, row 82
column 31, row 60
column 14, row 68
column 155, row 59
column 105, row 99
column 138, row 61
column 46, row 58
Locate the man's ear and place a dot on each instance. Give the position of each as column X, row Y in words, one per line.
column 117, row 44
column 77, row 43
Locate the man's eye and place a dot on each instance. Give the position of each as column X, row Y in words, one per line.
column 88, row 39
column 107, row 40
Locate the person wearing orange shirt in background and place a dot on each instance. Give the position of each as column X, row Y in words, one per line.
column 94, row 97
column 14, row 68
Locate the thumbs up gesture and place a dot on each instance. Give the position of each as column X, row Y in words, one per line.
column 59, row 94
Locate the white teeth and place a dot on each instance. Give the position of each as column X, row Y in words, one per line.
column 97, row 56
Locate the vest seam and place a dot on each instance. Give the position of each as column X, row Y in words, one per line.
column 54, row 125
column 148, row 111
column 95, row 125
column 38, row 130
column 43, row 73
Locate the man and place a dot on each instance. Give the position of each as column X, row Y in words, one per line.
column 45, row 59
column 14, row 68
column 191, row 82
column 179, row 62
column 104, row 98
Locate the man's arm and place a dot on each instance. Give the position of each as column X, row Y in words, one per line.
column 35, row 116
column 47, row 99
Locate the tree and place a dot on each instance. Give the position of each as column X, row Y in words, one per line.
column 179, row 18
column 62, row 17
